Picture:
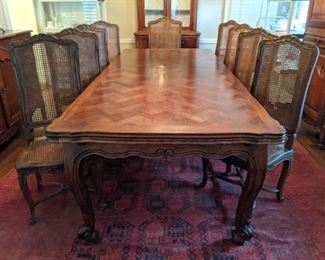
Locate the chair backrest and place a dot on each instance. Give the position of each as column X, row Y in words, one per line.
column 165, row 33
column 223, row 36
column 47, row 71
column 246, row 56
column 231, row 49
column 102, row 43
column 113, row 37
column 283, row 71
column 88, row 53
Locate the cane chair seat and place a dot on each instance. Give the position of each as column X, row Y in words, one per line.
column 47, row 72
column 223, row 37
column 40, row 152
column 231, row 49
column 165, row 33
column 112, row 37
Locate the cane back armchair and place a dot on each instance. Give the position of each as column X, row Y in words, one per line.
column 102, row 43
column 223, row 37
column 165, row 33
column 47, row 71
column 112, row 37
column 283, row 73
column 231, row 49
column 88, row 53
column 246, row 56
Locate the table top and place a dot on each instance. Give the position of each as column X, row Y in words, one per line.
column 166, row 94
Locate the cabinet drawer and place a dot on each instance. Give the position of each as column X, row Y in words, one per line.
column 189, row 42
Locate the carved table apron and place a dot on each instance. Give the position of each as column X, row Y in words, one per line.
column 166, row 103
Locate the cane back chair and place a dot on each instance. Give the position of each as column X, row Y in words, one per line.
column 231, row 48
column 223, row 37
column 112, row 37
column 283, row 73
column 47, row 71
column 88, row 53
column 102, row 43
column 165, row 33
column 246, row 56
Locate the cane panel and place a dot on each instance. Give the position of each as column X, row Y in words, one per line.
column 102, row 43
column 88, row 53
column 165, row 33
column 248, row 43
column 231, row 50
column 285, row 66
column 223, row 36
column 48, row 76
column 112, row 37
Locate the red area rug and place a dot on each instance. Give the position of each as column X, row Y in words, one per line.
column 157, row 213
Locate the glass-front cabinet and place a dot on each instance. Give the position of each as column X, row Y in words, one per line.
column 180, row 10
column 55, row 15
column 286, row 16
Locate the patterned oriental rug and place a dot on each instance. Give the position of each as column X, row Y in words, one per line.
column 157, row 212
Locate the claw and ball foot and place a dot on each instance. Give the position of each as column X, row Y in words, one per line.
column 240, row 235
column 88, row 234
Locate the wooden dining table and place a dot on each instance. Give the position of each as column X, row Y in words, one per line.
column 167, row 103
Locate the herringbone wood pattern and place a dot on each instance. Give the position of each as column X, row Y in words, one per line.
column 187, row 92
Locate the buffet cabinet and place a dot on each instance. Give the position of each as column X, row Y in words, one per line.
column 9, row 100
column 180, row 10
column 315, row 103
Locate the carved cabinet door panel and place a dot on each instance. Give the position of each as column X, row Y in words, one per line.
column 315, row 101
column 9, row 93
column 3, row 125
column 316, row 16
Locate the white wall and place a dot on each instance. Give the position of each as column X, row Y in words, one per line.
column 22, row 15
column 124, row 13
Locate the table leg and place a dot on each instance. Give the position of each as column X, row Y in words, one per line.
column 257, row 158
column 72, row 167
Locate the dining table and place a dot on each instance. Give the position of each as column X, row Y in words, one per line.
column 166, row 103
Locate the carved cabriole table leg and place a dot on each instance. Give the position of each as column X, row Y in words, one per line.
column 257, row 158
column 256, row 155
column 72, row 170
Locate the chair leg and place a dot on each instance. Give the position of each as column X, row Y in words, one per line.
column 39, row 180
column 205, row 163
column 284, row 174
column 22, row 177
column 228, row 169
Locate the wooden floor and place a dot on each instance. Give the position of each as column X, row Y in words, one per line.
column 9, row 152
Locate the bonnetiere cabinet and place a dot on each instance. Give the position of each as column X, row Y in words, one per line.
column 180, row 10
column 9, row 100
column 315, row 102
